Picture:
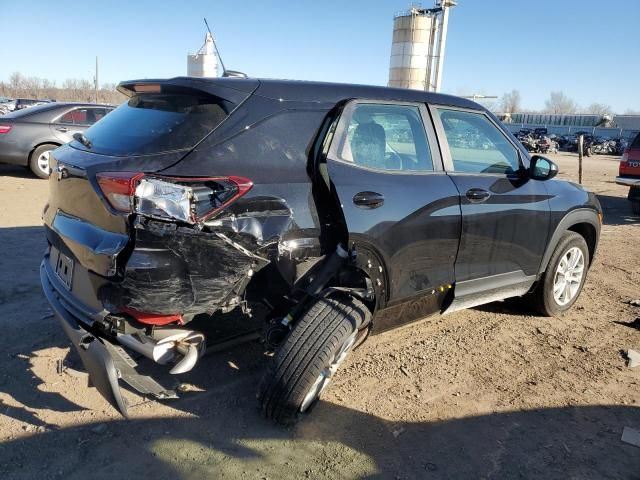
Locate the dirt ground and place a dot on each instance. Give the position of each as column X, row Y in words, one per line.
column 492, row 392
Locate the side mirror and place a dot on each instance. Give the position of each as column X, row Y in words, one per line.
column 541, row 168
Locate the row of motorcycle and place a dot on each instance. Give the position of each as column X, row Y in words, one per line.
column 539, row 141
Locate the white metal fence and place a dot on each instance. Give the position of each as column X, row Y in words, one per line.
column 568, row 130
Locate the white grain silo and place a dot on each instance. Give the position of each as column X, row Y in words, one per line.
column 417, row 51
column 205, row 62
column 412, row 35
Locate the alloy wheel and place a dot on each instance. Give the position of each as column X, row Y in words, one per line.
column 327, row 373
column 43, row 162
column 568, row 276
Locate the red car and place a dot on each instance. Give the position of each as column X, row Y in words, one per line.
column 630, row 173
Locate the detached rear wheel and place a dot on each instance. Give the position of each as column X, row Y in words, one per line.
column 305, row 364
column 39, row 160
column 564, row 278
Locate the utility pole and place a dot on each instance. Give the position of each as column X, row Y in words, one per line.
column 442, row 41
column 96, row 80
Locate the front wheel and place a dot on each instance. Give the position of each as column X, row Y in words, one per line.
column 562, row 282
column 310, row 356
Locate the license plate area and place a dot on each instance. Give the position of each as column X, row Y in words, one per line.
column 64, row 270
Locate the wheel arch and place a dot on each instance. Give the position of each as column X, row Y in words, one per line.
column 40, row 144
column 583, row 221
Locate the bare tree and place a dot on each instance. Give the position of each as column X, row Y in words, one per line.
column 33, row 86
column 72, row 89
column 86, row 90
column 558, row 102
column 599, row 109
column 15, row 82
column 49, row 89
column 511, row 102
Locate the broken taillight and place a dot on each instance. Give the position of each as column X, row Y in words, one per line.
column 118, row 188
column 190, row 200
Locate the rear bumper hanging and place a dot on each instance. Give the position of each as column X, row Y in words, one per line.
column 105, row 362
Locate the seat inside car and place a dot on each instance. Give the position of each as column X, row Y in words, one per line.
column 368, row 145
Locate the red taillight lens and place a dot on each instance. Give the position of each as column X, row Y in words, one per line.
column 118, row 188
column 224, row 191
column 190, row 200
column 5, row 128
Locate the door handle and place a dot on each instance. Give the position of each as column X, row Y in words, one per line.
column 62, row 129
column 477, row 195
column 368, row 199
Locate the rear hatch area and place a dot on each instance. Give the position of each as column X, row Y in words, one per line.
column 104, row 259
column 90, row 239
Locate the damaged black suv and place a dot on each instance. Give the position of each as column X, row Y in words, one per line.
column 325, row 211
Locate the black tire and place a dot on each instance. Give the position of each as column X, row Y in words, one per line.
column 33, row 160
column 635, row 207
column 323, row 330
column 542, row 297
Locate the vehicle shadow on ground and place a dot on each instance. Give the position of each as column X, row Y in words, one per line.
column 219, row 432
column 28, row 327
column 15, row 171
column 617, row 211
column 227, row 438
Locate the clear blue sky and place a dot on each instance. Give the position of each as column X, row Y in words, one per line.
column 581, row 47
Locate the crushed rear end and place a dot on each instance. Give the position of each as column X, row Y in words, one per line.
column 137, row 248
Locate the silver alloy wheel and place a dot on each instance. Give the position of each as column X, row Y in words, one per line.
column 321, row 383
column 568, row 276
column 43, row 162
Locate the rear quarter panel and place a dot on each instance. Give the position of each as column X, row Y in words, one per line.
column 16, row 145
column 270, row 142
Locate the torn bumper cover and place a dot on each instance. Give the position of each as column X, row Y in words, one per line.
column 105, row 362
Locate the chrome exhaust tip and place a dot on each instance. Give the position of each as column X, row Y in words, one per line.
column 166, row 345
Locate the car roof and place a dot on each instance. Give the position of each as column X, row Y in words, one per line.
column 51, row 107
column 308, row 91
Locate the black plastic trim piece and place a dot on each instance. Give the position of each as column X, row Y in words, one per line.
column 574, row 217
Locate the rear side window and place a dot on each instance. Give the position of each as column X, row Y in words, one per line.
column 386, row 137
column 154, row 123
column 476, row 144
column 77, row 116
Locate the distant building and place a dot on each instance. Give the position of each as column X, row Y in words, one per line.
column 625, row 122
column 204, row 63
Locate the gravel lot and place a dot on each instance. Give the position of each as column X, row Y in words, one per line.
column 493, row 392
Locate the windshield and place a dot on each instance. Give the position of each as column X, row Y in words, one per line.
column 154, row 123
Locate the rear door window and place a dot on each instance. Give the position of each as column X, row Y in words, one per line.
column 77, row 116
column 155, row 123
column 386, row 137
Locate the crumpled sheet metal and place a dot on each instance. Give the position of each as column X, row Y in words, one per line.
column 183, row 270
column 264, row 219
column 192, row 270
